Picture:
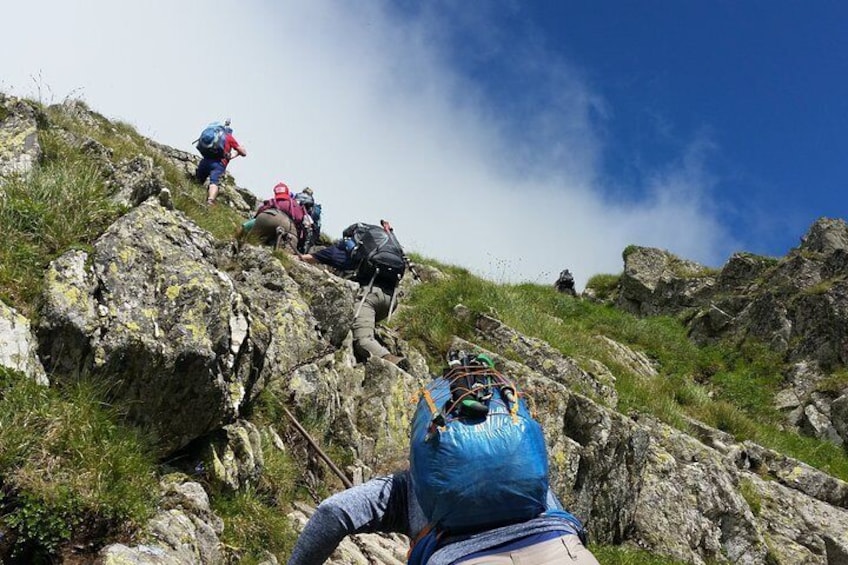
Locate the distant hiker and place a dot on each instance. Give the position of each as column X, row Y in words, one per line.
column 306, row 199
column 379, row 262
column 477, row 488
column 218, row 147
column 565, row 283
column 280, row 221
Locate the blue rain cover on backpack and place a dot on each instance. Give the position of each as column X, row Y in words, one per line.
column 480, row 472
column 212, row 139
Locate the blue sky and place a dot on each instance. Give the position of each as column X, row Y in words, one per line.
column 513, row 138
column 759, row 88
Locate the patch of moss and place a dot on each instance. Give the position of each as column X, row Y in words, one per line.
column 835, row 383
column 821, row 288
column 628, row 251
column 751, row 495
column 604, row 285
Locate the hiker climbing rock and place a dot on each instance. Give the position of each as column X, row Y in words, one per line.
column 379, row 262
column 306, row 199
column 218, row 147
column 565, row 283
column 477, row 495
column 280, row 221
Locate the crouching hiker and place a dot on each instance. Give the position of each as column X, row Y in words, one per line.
column 379, row 262
column 279, row 221
column 477, row 495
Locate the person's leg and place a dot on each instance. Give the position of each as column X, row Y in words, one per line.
column 287, row 230
column 266, row 226
column 374, row 309
column 203, row 170
column 216, row 172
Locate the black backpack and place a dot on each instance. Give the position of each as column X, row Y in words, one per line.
column 565, row 282
column 377, row 254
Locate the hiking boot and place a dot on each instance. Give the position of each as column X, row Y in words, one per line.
column 401, row 362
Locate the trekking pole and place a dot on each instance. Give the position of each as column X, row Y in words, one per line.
column 367, row 292
column 392, row 303
column 279, row 238
column 324, row 457
column 388, row 227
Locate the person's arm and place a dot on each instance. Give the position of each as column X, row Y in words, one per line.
column 307, row 258
column 331, row 256
column 234, row 146
column 380, row 505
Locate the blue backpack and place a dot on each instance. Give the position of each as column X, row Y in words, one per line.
column 316, row 213
column 477, row 457
column 211, row 142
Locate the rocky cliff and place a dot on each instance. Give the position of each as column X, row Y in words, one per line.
column 191, row 332
column 797, row 305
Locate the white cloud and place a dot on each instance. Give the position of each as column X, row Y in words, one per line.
column 370, row 111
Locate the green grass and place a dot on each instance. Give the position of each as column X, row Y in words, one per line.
column 618, row 555
column 255, row 519
column 751, row 496
column 725, row 387
column 603, row 285
column 59, row 205
column 63, row 203
column 68, row 464
column 253, row 527
column 125, row 143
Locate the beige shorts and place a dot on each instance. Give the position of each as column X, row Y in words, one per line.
column 562, row 550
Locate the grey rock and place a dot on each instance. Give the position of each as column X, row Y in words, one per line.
column 135, row 180
column 544, row 359
column 184, row 532
column 151, row 306
column 234, row 458
column 839, row 416
column 742, row 270
column 18, row 345
column 657, row 282
column 826, row 236
column 817, row 424
column 19, row 146
column 331, row 298
column 635, row 361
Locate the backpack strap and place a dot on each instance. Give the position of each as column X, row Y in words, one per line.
column 423, row 546
column 571, row 519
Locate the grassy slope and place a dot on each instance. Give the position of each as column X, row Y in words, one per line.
column 727, row 388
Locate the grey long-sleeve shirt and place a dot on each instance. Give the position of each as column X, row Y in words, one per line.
column 388, row 505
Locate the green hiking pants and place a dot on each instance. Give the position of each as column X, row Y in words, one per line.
column 266, row 228
column 374, row 309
